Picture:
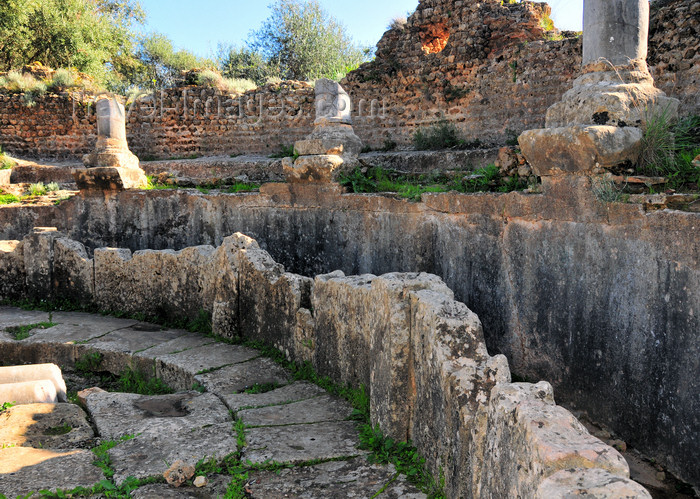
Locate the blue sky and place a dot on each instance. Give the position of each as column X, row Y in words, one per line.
column 200, row 26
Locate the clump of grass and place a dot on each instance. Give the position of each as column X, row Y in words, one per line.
column 238, row 85
column 25, row 84
column 605, row 191
column 668, row 149
column 209, row 78
column 5, row 162
column 242, row 187
column 285, row 152
column 53, row 187
column 38, row 189
column 7, row 198
column 89, row 362
column 258, row 388
column 132, row 381
column 62, row 79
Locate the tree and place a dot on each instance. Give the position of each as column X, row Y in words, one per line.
column 160, row 65
column 244, row 63
column 94, row 36
column 304, row 42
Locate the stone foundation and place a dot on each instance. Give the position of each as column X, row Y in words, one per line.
column 420, row 353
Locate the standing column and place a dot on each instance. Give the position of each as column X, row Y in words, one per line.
column 112, row 166
column 598, row 123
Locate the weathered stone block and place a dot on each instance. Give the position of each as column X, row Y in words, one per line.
column 311, row 168
column 38, row 262
column 109, row 178
column 593, row 482
column 13, row 282
column 73, row 275
column 579, row 149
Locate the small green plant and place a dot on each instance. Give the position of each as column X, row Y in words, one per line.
column 403, row 455
column 242, row 187
column 442, row 135
column 201, row 323
column 53, row 187
column 132, row 381
column 514, row 66
column 239, row 428
column 59, row 430
column 198, row 387
column 5, row 162
column 38, row 189
column 89, row 362
column 202, row 189
column 262, row 388
column 285, row 152
column 6, row 198
column 102, row 460
column 22, row 332
column 6, row 405
column 605, row 191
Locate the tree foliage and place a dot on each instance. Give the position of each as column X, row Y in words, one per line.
column 303, row 42
column 244, row 63
column 93, row 36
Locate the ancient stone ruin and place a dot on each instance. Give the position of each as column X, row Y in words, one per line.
column 540, row 343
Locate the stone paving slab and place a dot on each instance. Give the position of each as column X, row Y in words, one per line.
column 186, row 341
column 10, row 316
column 236, row 378
column 24, row 470
column 301, row 443
column 153, row 451
column 119, row 414
column 215, row 488
column 48, row 426
column 355, row 478
column 301, row 390
column 120, row 345
column 211, row 356
column 316, row 410
column 78, row 327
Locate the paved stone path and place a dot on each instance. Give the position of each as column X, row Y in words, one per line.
column 45, row 446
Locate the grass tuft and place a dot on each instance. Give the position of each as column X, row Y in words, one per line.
column 22, row 332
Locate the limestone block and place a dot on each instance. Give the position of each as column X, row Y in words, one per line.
column 29, row 392
column 453, row 376
column 109, row 178
column 603, row 98
column 38, row 261
column 170, row 284
column 594, row 482
column 5, row 176
column 73, row 276
column 579, row 149
column 527, row 438
column 312, row 147
column 36, row 372
column 269, row 299
column 225, row 291
column 319, row 168
column 331, row 136
column 13, row 282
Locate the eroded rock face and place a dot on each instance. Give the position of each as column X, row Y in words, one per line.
column 593, row 482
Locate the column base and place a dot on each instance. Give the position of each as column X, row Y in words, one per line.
column 109, row 178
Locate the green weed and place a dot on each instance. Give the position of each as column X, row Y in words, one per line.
column 132, row 381
column 285, row 152
column 261, row 388
column 59, row 430
column 38, row 189
column 22, row 332
column 5, row 162
column 6, row 198
column 668, row 149
column 89, row 362
column 6, row 405
column 242, row 187
column 442, row 135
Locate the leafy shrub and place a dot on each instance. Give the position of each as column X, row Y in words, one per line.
column 5, row 162
column 442, row 135
column 62, row 80
column 238, row 85
column 209, row 78
column 53, row 187
column 6, row 198
column 38, row 189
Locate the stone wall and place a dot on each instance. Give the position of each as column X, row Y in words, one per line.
column 420, row 354
column 495, row 76
column 597, row 298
